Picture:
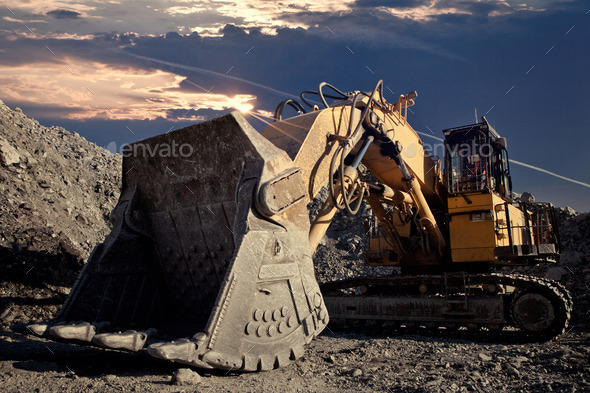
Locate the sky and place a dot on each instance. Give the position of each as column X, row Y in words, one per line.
column 120, row 71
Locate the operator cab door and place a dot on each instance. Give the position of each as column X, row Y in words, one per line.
column 501, row 170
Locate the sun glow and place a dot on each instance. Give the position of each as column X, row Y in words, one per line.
column 244, row 107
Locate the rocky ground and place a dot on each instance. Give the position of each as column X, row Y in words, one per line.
column 332, row 363
column 57, row 190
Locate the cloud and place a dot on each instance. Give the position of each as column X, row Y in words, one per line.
column 64, row 14
column 207, row 18
column 210, row 73
column 42, row 7
column 91, row 90
column 391, row 3
column 23, row 21
column 185, row 9
column 132, row 76
column 423, row 13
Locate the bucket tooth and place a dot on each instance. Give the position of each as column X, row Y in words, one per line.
column 266, row 362
column 223, row 360
column 210, row 248
column 38, row 329
column 183, row 351
column 130, row 340
column 82, row 331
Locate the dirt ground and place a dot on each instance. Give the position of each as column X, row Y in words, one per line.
column 334, row 362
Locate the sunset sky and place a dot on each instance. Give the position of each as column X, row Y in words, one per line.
column 120, row 71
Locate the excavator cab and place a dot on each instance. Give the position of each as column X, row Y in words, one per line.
column 477, row 160
column 486, row 224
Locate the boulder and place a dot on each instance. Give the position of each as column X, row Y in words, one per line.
column 8, row 154
column 185, row 377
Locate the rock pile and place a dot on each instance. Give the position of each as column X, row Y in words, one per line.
column 53, row 182
column 56, row 193
column 339, row 255
column 574, row 261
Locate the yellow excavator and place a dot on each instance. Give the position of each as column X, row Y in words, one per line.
column 209, row 262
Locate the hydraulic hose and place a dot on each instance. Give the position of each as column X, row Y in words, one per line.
column 278, row 114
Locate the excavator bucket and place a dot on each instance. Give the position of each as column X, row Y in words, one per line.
column 208, row 262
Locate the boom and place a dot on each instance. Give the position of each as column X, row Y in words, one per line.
column 363, row 129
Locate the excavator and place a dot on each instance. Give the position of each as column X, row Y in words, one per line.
column 209, row 262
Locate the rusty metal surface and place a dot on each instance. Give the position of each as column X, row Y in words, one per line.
column 194, row 270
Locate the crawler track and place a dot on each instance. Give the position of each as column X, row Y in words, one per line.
column 537, row 306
